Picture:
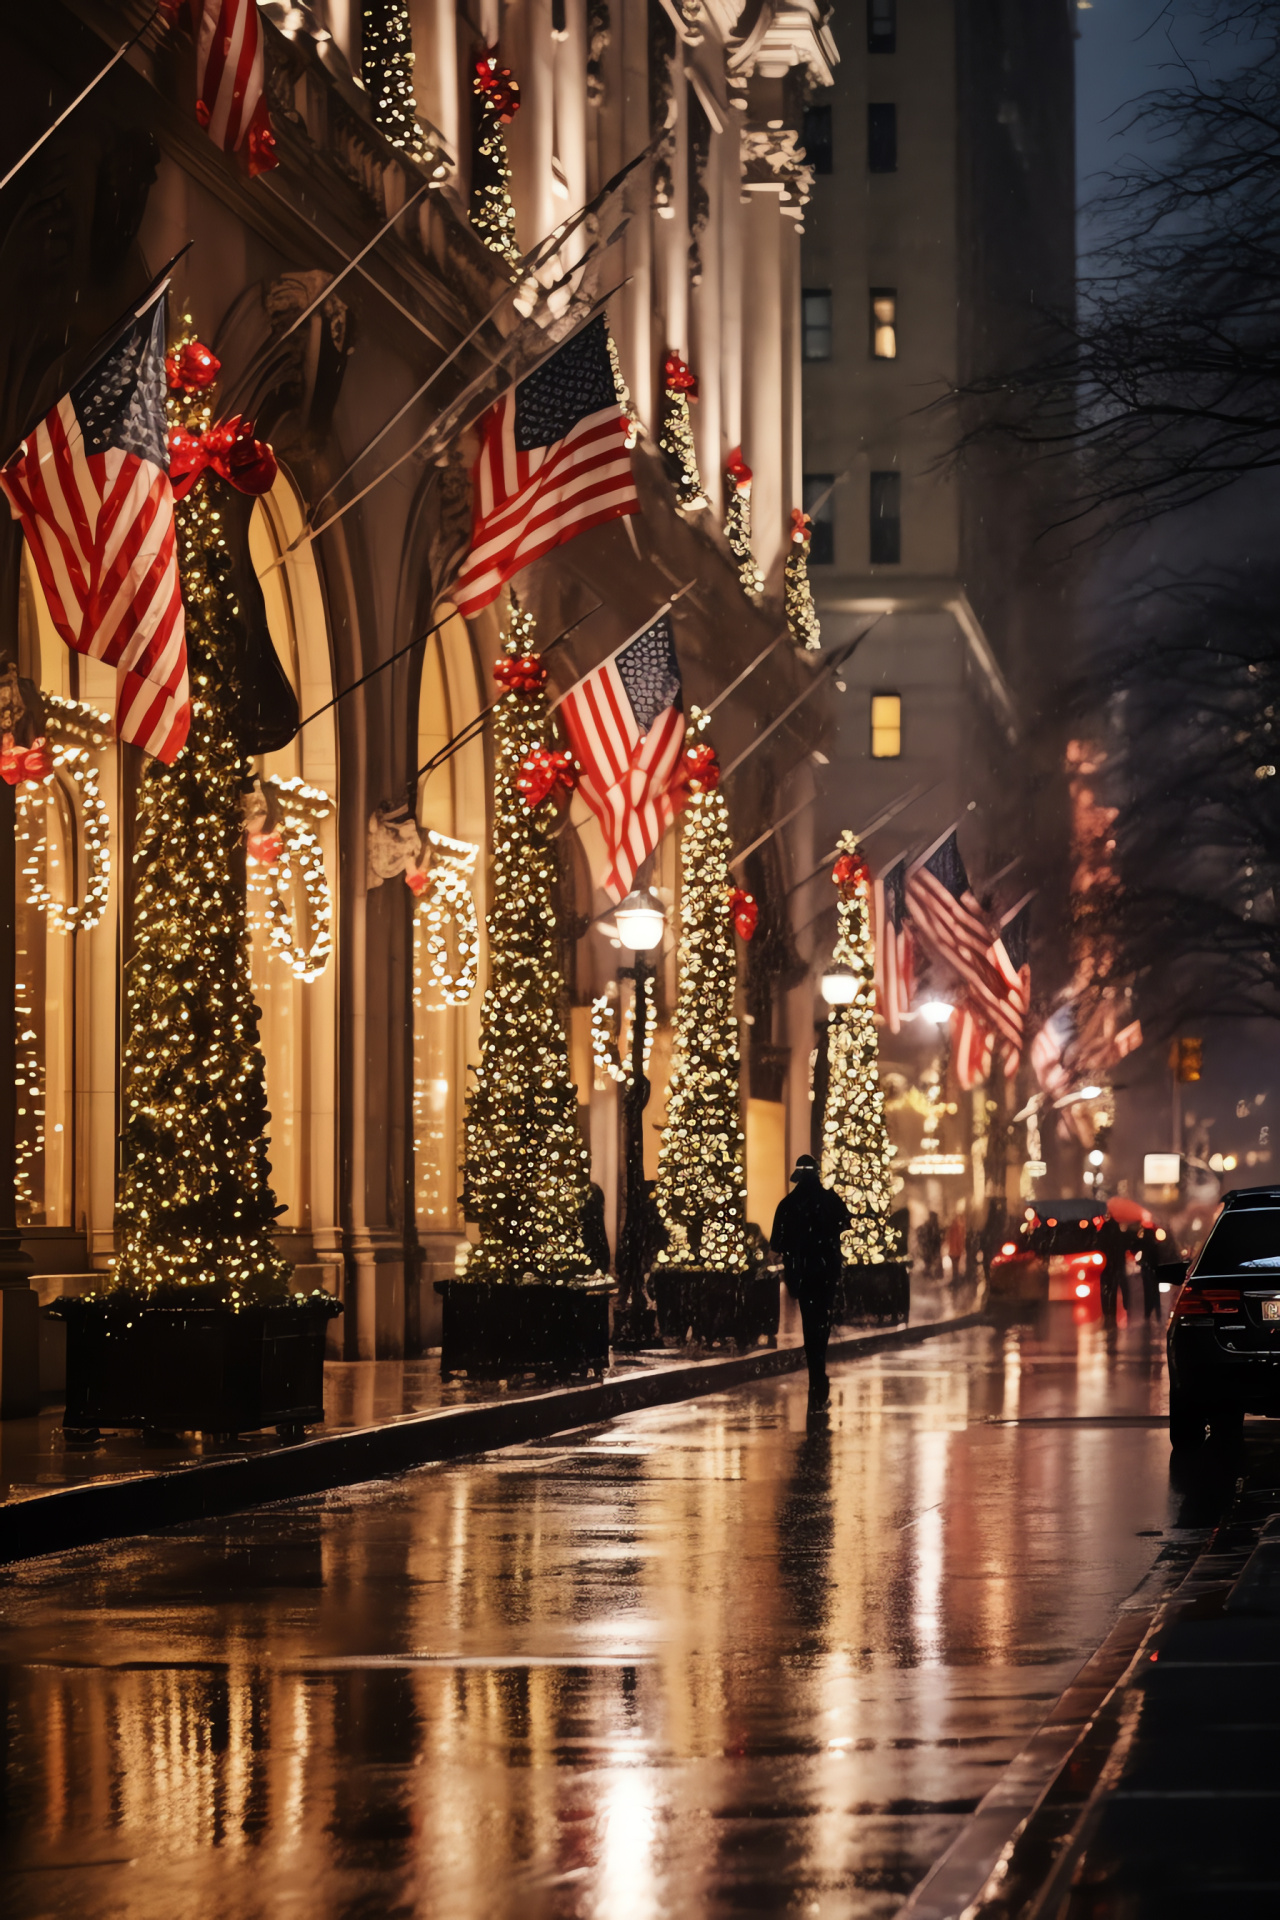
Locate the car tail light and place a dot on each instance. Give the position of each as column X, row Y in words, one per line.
column 1195, row 1302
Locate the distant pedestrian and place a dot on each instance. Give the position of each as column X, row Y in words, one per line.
column 595, row 1237
column 806, row 1232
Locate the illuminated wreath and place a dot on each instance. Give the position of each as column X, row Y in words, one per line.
column 447, row 901
column 295, row 848
column 73, row 730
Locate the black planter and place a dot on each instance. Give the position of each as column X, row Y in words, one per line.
column 715, row 1307
column 670, row 1290
column 876, row 1292
column 195, row 1369
column 494, row 1330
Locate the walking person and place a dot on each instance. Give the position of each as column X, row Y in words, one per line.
column 806, row 1232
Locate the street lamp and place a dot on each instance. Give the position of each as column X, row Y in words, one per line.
column 937, row 1011
column 641, row 922
column 839, row 987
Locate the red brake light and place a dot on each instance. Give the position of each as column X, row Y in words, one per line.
column 1194, row 1301
column 1187, row 1303
column 1008, row 1247
column 1224, row 1299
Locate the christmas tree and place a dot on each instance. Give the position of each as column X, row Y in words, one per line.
column 679, row 390
column 195, row 1207
column 492, row 214
column 386, row 67
column 737, row 525
column 526, row 1173
column 856, row 1153
column 797, row 597
column 702, row 1188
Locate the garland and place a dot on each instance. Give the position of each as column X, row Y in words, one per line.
column 611, row 1055
column 446, row 900
column 492, row 214
column 737, row 525
column 680, row 388
column 296, row 840
column 802, row 615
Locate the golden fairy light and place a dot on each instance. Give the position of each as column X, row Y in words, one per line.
column 702, row 1188
column 797, row 594
column 610, row 1052
column 195, row 1207
column 679, row 389
column 856, row 1153
column 447, row 902
column 492, row 214
column 298, row 865
column 737, row 525
column 525, row 1177
column 74, row 732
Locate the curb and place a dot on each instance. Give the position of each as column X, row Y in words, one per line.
column 111, row 1509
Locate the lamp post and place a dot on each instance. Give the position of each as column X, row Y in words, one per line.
column 641, row 921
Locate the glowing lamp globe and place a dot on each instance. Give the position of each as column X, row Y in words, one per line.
column 937, row 1011
column 839, row 987
column 641, row 920
column 1089, row 1093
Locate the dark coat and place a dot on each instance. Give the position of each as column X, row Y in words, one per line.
column 806, row 1232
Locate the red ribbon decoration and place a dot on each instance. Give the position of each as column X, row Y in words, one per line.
column 849, row 873
column 417, row 881
column 498, row 84
column 24, row 763
column 230, row 449
column 192, row 368
column 738, row 471
column 801, row 526
column 265, row 848
column 678, row 377
column 745, row 910
column 520, row 673
column 541, row 773
column 700, row 770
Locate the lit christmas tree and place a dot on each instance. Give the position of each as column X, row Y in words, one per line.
column 702, row 1188
column 737, row 525
column 386, row 67
column 856, row 1154
column 492, row 214
column 526, row 1173
column 195, row 1207
column 802, row 615
column 679, row 390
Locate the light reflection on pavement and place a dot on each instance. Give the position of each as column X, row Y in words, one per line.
column 709, row 1659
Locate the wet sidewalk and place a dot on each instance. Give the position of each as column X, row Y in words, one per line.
column 381, row 1417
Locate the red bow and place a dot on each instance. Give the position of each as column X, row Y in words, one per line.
column 24, row 763
column 801, row 526
column 496, row 81
column 230, row 450
column 191, row 368
column 677, row 376
column 542, row 773
column 700, row 770
column 738, row 471
column 520, row 673
column 745, row 910
column 417, row 881
column 849, row 873
column 265, row 848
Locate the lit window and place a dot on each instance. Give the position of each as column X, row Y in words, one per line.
column 884, row 323
column 817, row 504
column 882, row 26
column 817, row 136
column 886, row 726
column 817, row 323
column 882, row 137
column 886, row 519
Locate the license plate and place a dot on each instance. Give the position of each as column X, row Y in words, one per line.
column 1271, row 1309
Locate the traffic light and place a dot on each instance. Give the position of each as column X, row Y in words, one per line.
column 1187, row 1058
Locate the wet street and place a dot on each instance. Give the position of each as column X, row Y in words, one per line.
column 713, row 1659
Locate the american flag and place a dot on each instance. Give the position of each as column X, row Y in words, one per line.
column 1009, row 952
column 895, row 955
column 1052, row 1048
column 229, row 66
column 972, row 1045
column 625, row 723
column 553, row 462
column 952, row 924
column 91, row 488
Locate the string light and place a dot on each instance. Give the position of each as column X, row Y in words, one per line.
column 195, row 1207
column 301, row 808
column 680, row 386
column 737, row 525
column 623, row 392
column 610, row 1054
column 69, row 725
column 856, row 1154
column 386, row 68
column 797, row 596
column 448, row 901
column 702, row 1189
column 526, row 1172
column 492, row 214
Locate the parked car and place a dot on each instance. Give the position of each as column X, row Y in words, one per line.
column 1224, row 1330
column 1057, row 1252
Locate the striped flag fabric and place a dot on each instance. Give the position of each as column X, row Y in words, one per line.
column 972, row 1045
column 553, row 461
column 230, row 102
column 625, row 723
column 953, row 926
column 895, row 955
column 1009, row 952
column 91, row 489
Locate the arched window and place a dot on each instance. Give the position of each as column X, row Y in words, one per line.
column 291, row 889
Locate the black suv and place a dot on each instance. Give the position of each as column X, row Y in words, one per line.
column 1224, row 1331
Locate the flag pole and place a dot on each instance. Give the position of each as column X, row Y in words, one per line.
column 127, row 46
column 837, row 660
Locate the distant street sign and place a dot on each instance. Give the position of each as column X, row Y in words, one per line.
column 1161, row 1169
